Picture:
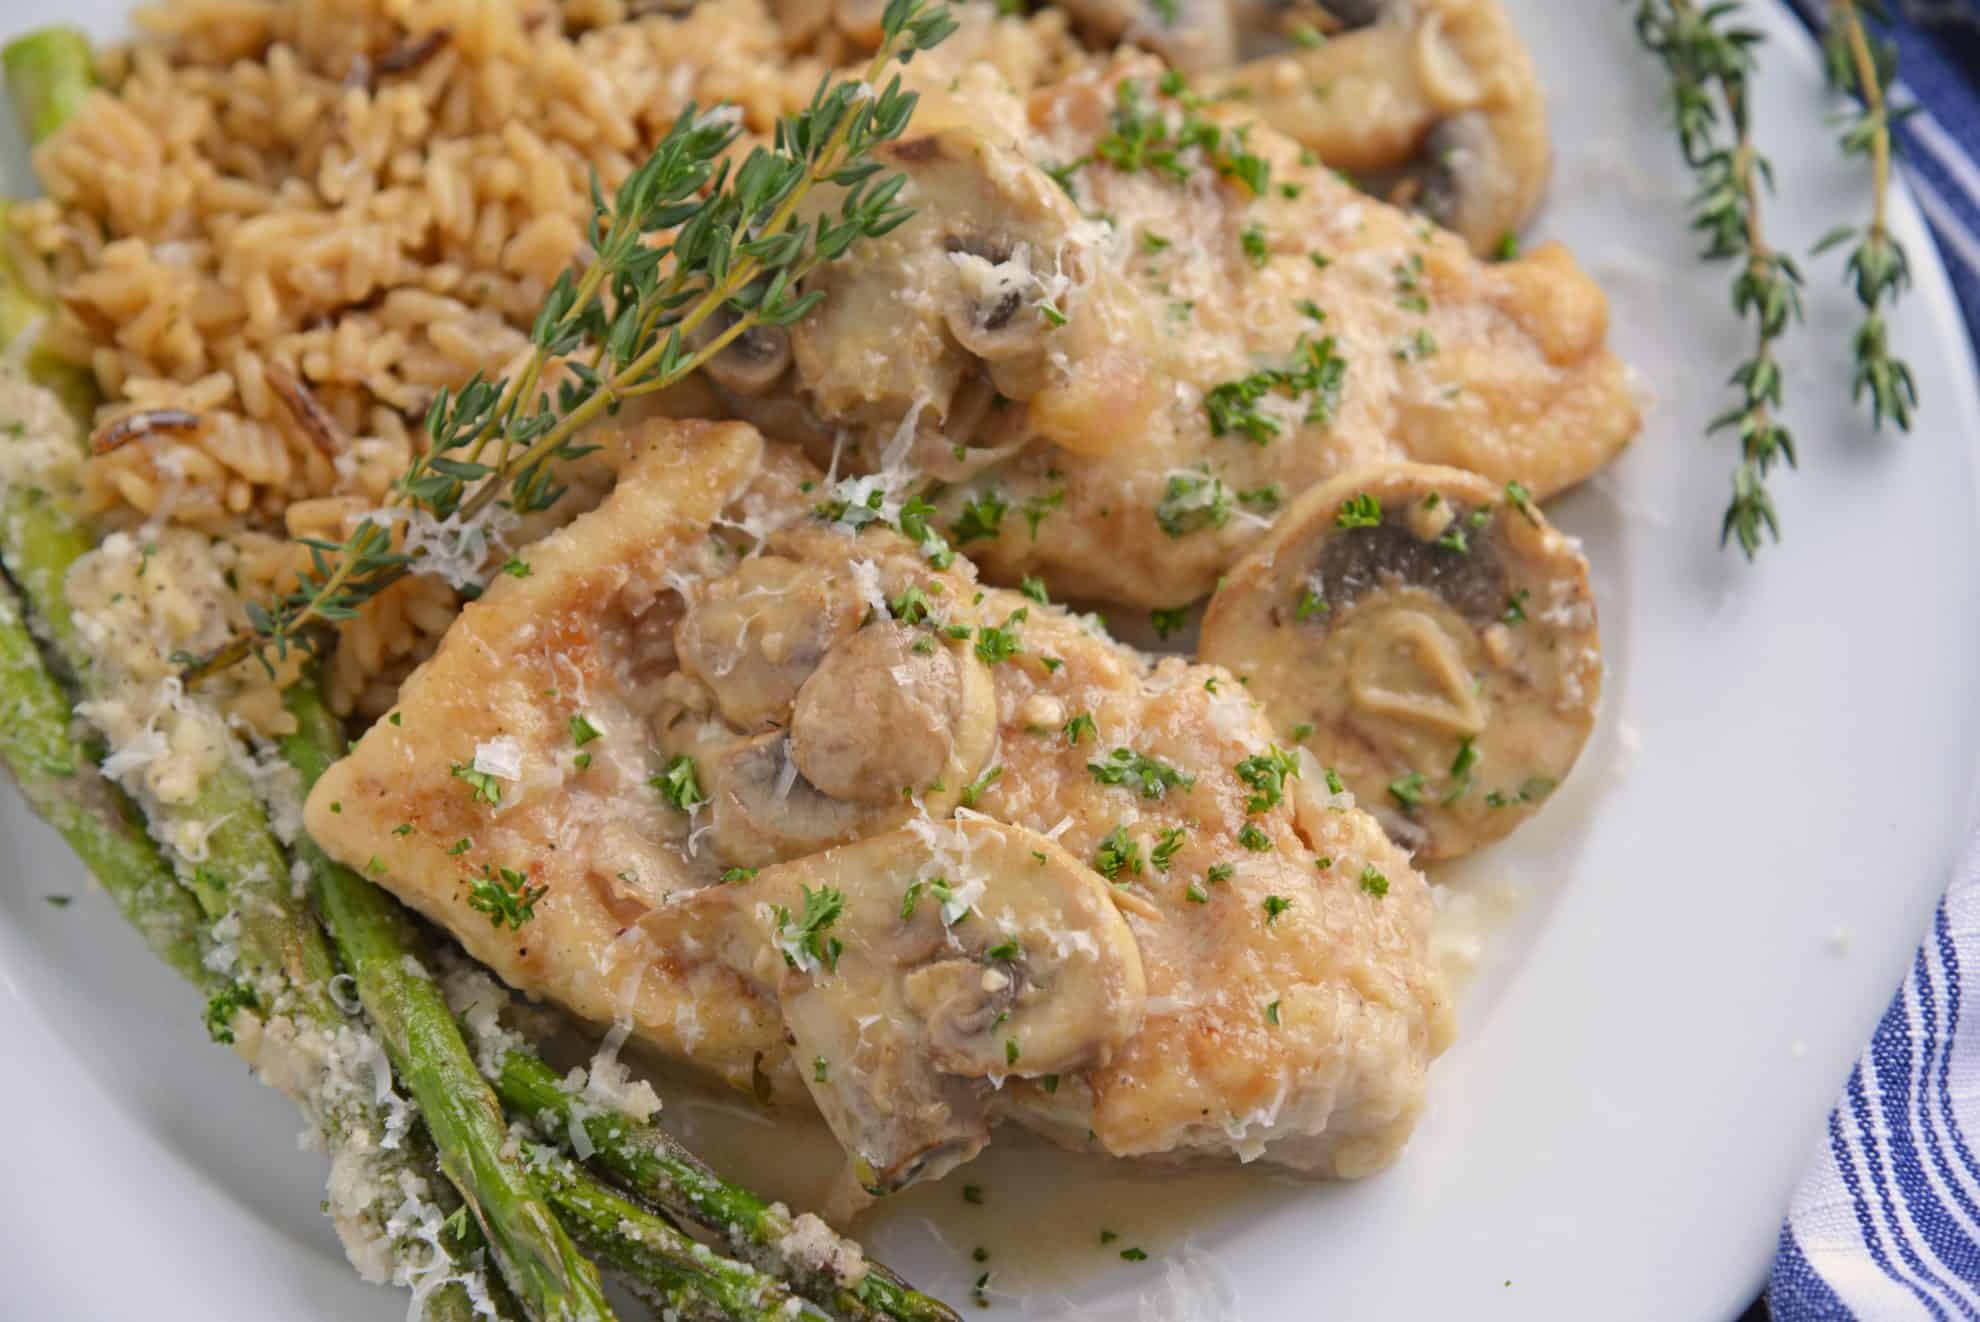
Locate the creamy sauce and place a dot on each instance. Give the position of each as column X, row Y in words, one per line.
column 1041, row 1217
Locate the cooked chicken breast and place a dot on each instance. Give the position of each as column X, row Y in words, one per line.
column 1125, row 325
column 748, row 762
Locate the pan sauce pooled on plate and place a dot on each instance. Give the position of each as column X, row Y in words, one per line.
column 1257, row 982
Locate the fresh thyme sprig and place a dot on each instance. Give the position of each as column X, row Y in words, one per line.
column 1708, row 62
column 1863, row 65
column 688, row 256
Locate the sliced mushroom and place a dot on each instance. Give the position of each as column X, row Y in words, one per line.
column 765, row 810
column 1438, row 96
column 758, row 633
column 1190, row 34
column 914, row 323
column 957, row 954
column 752, row 362
column 1432, row 637
column 879, row 717
column 887, row 732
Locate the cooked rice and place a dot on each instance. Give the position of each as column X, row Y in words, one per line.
column 299, row 219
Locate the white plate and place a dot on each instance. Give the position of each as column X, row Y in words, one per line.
column 1717, row 905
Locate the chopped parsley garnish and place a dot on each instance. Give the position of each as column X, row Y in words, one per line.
column 1253, row 242
column 1081, row 724
column 1140, row 138
column 1408, row 790
column 1134, row 1255
column 221, row 1008
column 983, row 782
column 1267, row 773
column 1316, row 374
column 1191, row 503
column 678, row 785
column 981, row 516
column 1531, row 790
column 1271, row 1014
column 1117, row 853
column 910, row 605
column 1220, row 872
column 1152, row 242
column 1455, row 540
column 972, row 1194
column 820, row 1070
column 1515, row 611
column 1334, row 785
column 1036, row 508
column 1035, row 589
column 1461, row 766
column 944, row 894
column 1310, row 604
column 1000, row 643
column 1168, row 620
column 739, row 874
column 1507, row 248
column 1373, row 881
column 1308, row 308
column 1136, row 770
column 1165, row 849
column 1274, row 906
column 1522, row 500
column 1265, row 499
column 804, row 942
column 1254, row 839
column 583, row 731
column 505, row 895
column 1301, row 731
column 1062, row 175
column 1195, row 894
column 1050, row 311
column 1418, row 346
column 1009, row 949
column 483, row 787
column 1359, row 511
column 1010, row 1051
column 1409, row 285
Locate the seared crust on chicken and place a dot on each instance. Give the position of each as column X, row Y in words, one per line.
column 1143, row 322
column 1264, row 988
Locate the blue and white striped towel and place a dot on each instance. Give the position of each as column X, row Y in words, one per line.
column 1886, row 1222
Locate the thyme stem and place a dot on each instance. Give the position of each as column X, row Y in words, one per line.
column 737, row 246
column 1709, row 63
column 1861, row 65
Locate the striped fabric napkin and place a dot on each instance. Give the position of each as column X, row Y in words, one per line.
column 1886, row 1221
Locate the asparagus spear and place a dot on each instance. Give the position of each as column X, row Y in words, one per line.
column 647, row 1161
column 649, row 1250
column 424, row 1045
column 59, row 779
column 48, row 77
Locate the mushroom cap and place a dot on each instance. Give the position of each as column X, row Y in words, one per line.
column 756, row 635
column 968, row 952
column 877, row 717
column 1432, row 636
column 1191, row 35
column 1439, row 97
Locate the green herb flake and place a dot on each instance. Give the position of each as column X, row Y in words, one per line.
column 1359, row 511
column 679, row 785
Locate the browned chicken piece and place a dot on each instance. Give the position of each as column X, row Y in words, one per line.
column 1430, row 638
column 1125, row 327
column 766, row 770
